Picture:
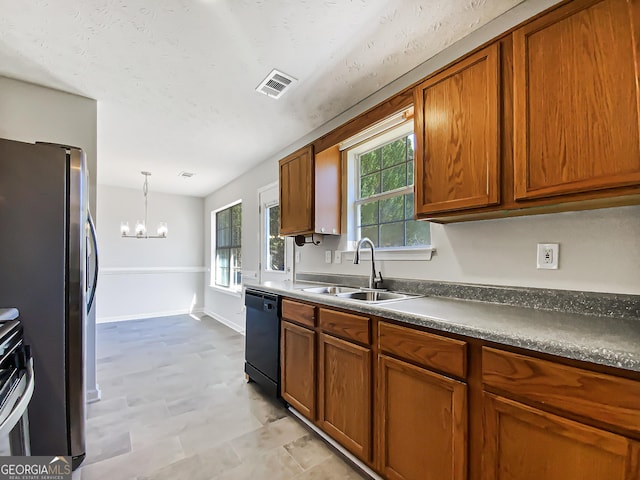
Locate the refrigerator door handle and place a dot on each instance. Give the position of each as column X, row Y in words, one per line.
column 94, row 242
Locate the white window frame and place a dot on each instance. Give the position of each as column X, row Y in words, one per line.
column 235, row 290
column 423, row 252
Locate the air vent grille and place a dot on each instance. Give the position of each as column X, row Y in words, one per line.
column 186, row 174
column 276, row 84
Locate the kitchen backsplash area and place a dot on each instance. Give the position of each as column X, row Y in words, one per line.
column 599, row 252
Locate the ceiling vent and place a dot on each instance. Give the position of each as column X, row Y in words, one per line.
column 186, row 174
column 276, row 84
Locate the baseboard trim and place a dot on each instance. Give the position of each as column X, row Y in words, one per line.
column 225, row 321
column 94, row 394
column 142, row 316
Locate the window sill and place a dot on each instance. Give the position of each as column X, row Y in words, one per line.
column 393, row 254
column 228, row 291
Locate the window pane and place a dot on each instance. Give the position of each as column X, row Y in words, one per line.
column 236, row 266
column 418, row 233
column 395, row 177
column 392, row 209
column 392, row 234
column 228, row 266
column 223, row 237
column 273, row 214
column 369, row 213
column 223, row 219
column 222, row 266
column 408, row 206
column 236, row 222
column 394, row 153
column 371, row 232
column 370, row 162
column 275, row 248
column 369, row 185
column 410, row 173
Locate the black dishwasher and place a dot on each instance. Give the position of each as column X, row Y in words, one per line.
column 262, row 347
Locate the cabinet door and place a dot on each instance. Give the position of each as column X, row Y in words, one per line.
column 576, row 99
column 327, row 191
column 298, row 346
column 344, row 390
column 457, row 119
column 423, row 423
column 296, row 192
column 523, row 443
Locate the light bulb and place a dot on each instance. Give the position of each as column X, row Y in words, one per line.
column 163, row 229
column 140, row 228
column 124, row 228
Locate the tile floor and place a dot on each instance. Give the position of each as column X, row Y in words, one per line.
column 175, row 405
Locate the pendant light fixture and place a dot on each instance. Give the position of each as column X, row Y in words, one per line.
column 141, row 226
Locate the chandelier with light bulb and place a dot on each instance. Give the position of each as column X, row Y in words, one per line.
column 141, row 226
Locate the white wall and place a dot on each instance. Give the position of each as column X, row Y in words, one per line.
column 223, row 306
column 31, row 113
column 153, row 277
column 599, row 252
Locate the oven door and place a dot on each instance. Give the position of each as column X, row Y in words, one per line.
column 16, row 389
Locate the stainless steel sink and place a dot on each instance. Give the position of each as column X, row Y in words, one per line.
column 372, row 296
column 330, row 290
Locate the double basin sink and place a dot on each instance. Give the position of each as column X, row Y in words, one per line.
column 358, row 294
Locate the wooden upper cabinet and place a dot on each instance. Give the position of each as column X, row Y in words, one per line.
column 525, row 443
column 576, row 99
column 457, row 128
column 296, row 192
column 310, row 192
column 327, row 191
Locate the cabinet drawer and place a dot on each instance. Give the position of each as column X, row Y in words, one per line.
column 604, row 398
column 299, row 313
column 432, row 351
column 346, row 325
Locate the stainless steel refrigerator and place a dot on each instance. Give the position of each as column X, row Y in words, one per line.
column 45, row 234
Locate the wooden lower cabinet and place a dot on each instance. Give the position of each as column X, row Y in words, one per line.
column 298, row 365
column 524, row 443
column 344, row 393
column 455, row 408
column 423, row 423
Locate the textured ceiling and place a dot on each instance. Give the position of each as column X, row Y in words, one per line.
column 175, row 79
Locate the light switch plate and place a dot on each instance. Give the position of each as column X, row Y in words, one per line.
column 548, row 256
column 337, row 256
column 297, row 256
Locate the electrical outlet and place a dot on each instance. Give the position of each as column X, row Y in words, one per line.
column 548, row 256
column 327, row 256
column 337, row 256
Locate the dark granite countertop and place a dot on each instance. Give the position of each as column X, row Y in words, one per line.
column 8, row 314
column 602, row 340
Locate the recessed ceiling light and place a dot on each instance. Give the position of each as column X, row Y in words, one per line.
column 186, row 174
column 276, row 84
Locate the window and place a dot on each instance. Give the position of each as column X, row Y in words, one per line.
column 228, row 248
column 382, row 173
column 275, row 243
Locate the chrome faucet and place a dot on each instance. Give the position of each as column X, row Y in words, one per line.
column 375, row 280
